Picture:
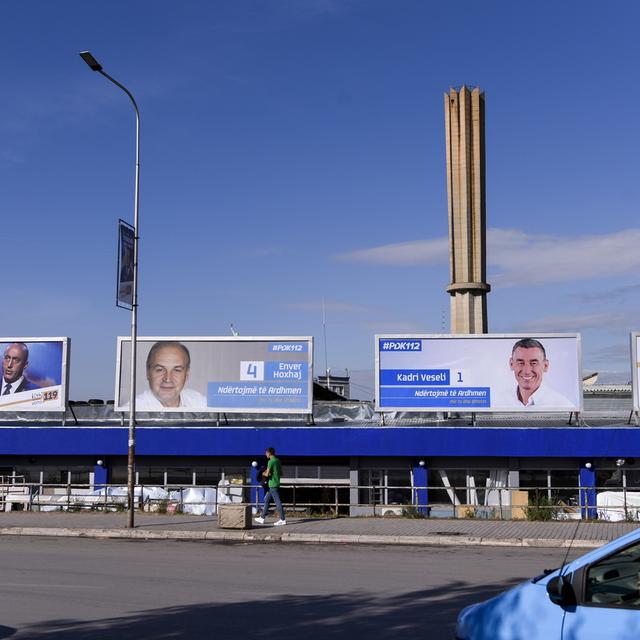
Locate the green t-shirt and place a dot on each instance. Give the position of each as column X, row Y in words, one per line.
column 275, row 471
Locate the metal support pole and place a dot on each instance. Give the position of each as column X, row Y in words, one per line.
column 131, row 448
column 94, row 65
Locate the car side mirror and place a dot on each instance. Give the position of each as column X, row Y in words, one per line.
column 561, row 591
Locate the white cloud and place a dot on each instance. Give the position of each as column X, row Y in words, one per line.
column 518, row 258
column 616, row 293
column 401, row 254
column 619, row 352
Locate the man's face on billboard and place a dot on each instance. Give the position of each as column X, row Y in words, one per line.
column 529, row 366
column 13, row 363
column 167, row 375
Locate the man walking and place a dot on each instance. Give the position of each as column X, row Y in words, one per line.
column 273, row 473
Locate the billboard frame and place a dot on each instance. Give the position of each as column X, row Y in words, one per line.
column 64, row 374
column 308, row 410
column 470, row 336
column 635, row 372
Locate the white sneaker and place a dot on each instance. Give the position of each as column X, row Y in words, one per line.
column 279, row 523
column 259, row 520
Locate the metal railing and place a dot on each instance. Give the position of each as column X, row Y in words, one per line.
column 533, row 503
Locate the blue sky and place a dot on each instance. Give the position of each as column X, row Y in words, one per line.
column 295, row 150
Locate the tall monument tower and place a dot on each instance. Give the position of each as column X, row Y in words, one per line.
column 464, row 122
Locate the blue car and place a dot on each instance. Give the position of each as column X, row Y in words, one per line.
column 595, row 596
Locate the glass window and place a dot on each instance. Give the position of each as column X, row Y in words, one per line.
column 334, row 472
column 288, row 470
column 564, row 486
column 80, row 477
column 607, row 478
column 55, row 476
column 457, row 480
column 397, row 479
column 153, row 476
column 208, row 476
column 236, row 475
column 5, row 472
column 479, row 478
column 633, row 478
column 304, row 471
column 27, row 474
column 370, row 478
column 614, row 580
column 118, row 475
column 179, row 476
column 533, row 479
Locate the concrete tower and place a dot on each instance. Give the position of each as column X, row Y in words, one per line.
column 464, row 121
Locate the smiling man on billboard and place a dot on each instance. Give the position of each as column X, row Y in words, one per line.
column 529, row 364
column 168, row 365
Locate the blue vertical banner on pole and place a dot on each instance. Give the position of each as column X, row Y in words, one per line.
column 124, row 287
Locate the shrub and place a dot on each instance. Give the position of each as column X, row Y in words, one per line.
column 541, row 507
column 412, row 512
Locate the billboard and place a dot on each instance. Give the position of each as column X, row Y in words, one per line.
column 34, row 374
column 488, row 372
column 124, row 284
column 217, row 374
column 635, row 369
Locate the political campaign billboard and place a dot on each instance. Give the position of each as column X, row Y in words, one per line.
column 34, row 374
column 635, row 369
column 478, row 373
column 124, row 283
column 217, row 374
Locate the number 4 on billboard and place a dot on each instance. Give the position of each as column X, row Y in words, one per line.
column 251, row 370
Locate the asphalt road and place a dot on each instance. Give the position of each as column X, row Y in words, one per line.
column 76, row 589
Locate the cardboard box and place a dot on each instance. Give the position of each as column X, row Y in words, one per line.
column 519, row 500
column 234, row 516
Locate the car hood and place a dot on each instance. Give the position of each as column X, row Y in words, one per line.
column 506, row 615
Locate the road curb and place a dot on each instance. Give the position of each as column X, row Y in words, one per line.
column 256, row 535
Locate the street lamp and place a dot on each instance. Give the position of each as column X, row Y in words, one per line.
column 94, row 65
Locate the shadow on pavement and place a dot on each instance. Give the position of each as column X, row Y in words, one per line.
column 6, row 632
column 431, row 613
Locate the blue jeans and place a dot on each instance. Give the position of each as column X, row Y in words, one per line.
column 272, row 494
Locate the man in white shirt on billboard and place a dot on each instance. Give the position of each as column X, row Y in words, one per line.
column 168, row 365
column 529, row 363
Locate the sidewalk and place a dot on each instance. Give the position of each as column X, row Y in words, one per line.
column 512, row 533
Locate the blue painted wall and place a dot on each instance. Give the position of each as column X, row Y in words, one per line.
column 579, row 442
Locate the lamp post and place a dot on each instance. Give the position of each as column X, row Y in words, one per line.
column 94, row 65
